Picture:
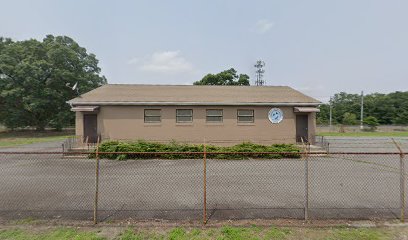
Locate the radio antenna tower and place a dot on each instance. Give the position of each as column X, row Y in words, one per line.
column 259, row 73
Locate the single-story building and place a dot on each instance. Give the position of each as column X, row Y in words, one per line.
column 219, row 114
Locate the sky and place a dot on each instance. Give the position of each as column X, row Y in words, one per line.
column 319, row 47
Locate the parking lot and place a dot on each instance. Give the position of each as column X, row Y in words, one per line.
column 366, row 144
column 340, row 186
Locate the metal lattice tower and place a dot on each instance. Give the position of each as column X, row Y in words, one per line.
column 259, row 73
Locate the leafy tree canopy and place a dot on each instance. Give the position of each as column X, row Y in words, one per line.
column 349, row 118
column 389, row 108
column 227, row 77
column 33, row 79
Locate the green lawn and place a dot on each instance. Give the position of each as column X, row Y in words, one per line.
column 220, row 233
column 365, row 134
column 14, row 138
column 57, row 234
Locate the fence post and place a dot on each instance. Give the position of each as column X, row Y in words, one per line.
column 328, row 147
column 306, row 202
column 95, row 216
column 205, row 184
column 402, row 181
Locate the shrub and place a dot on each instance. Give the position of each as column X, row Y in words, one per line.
column 349, row 119
column 170, row 150
column 372, row 122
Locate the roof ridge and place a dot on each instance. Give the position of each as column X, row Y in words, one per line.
column 185, row 85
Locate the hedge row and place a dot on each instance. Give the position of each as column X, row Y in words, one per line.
column 150, row 148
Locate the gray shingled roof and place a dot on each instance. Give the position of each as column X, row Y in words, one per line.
column 133, row 94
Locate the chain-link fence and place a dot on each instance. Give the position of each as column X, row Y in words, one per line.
column 45, row 185
column 305, row 185
column 337, row 144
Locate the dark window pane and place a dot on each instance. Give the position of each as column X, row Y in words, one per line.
column 245, row 112
column 214, row 112
column 151, row 119
column 184, row 112
column 214, row 119
column 184, row 118
column 245, row 119
column 152, row 112
column 152, row 115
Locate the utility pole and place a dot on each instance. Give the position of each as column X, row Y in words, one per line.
column 330, row 116
column 362, row 111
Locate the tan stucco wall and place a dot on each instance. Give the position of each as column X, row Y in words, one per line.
column 127, row 122
column 79, row 124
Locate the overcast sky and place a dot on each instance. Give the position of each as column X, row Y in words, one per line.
column 320, row 47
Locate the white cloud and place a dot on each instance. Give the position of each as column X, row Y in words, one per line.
column 134, row 60
column 168, row 62
column 263, row 26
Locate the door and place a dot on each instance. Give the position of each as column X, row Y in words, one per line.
column 302, row 124
column 90, row 128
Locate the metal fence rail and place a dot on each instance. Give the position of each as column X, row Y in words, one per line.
column 316, row 186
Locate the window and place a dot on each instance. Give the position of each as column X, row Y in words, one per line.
column 184, row 115
column 245, row 115
column 214, row 115
column 152, row 115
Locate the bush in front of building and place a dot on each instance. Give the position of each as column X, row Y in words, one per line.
column 123, row 150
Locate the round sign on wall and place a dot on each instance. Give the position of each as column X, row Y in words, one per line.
column 275, row 115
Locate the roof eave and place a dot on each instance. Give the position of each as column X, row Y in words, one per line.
column 107, row 103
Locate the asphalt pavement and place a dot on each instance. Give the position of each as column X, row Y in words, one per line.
column 340, row 186
column 367, row 144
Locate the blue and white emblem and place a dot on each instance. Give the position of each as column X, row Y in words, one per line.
column 275, row 115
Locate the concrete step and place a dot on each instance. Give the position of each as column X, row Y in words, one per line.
column 315, row 150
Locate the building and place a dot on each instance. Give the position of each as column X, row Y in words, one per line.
column 220, row 114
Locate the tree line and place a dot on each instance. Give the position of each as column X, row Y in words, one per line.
column 36, row 79
column 379, row 108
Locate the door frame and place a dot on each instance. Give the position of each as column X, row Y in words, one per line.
column 307, row 127
column 94, row 138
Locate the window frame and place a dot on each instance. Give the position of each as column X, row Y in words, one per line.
column 155, row 109
column 181, row 109
column 252, row 115
column 220, row 115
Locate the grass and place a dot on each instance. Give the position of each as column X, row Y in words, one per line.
column 364, row 134
column 222, row 233
column 358, row 234
column 57, row 234
column 15, row 138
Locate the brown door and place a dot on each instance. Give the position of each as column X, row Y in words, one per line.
column 90, row 128
column 301, row 128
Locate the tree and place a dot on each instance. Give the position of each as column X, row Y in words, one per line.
column 227, row 77
column 389, row 108
column 349, row 119
column 33, row 78
column 323, row 117
column 371, row 121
